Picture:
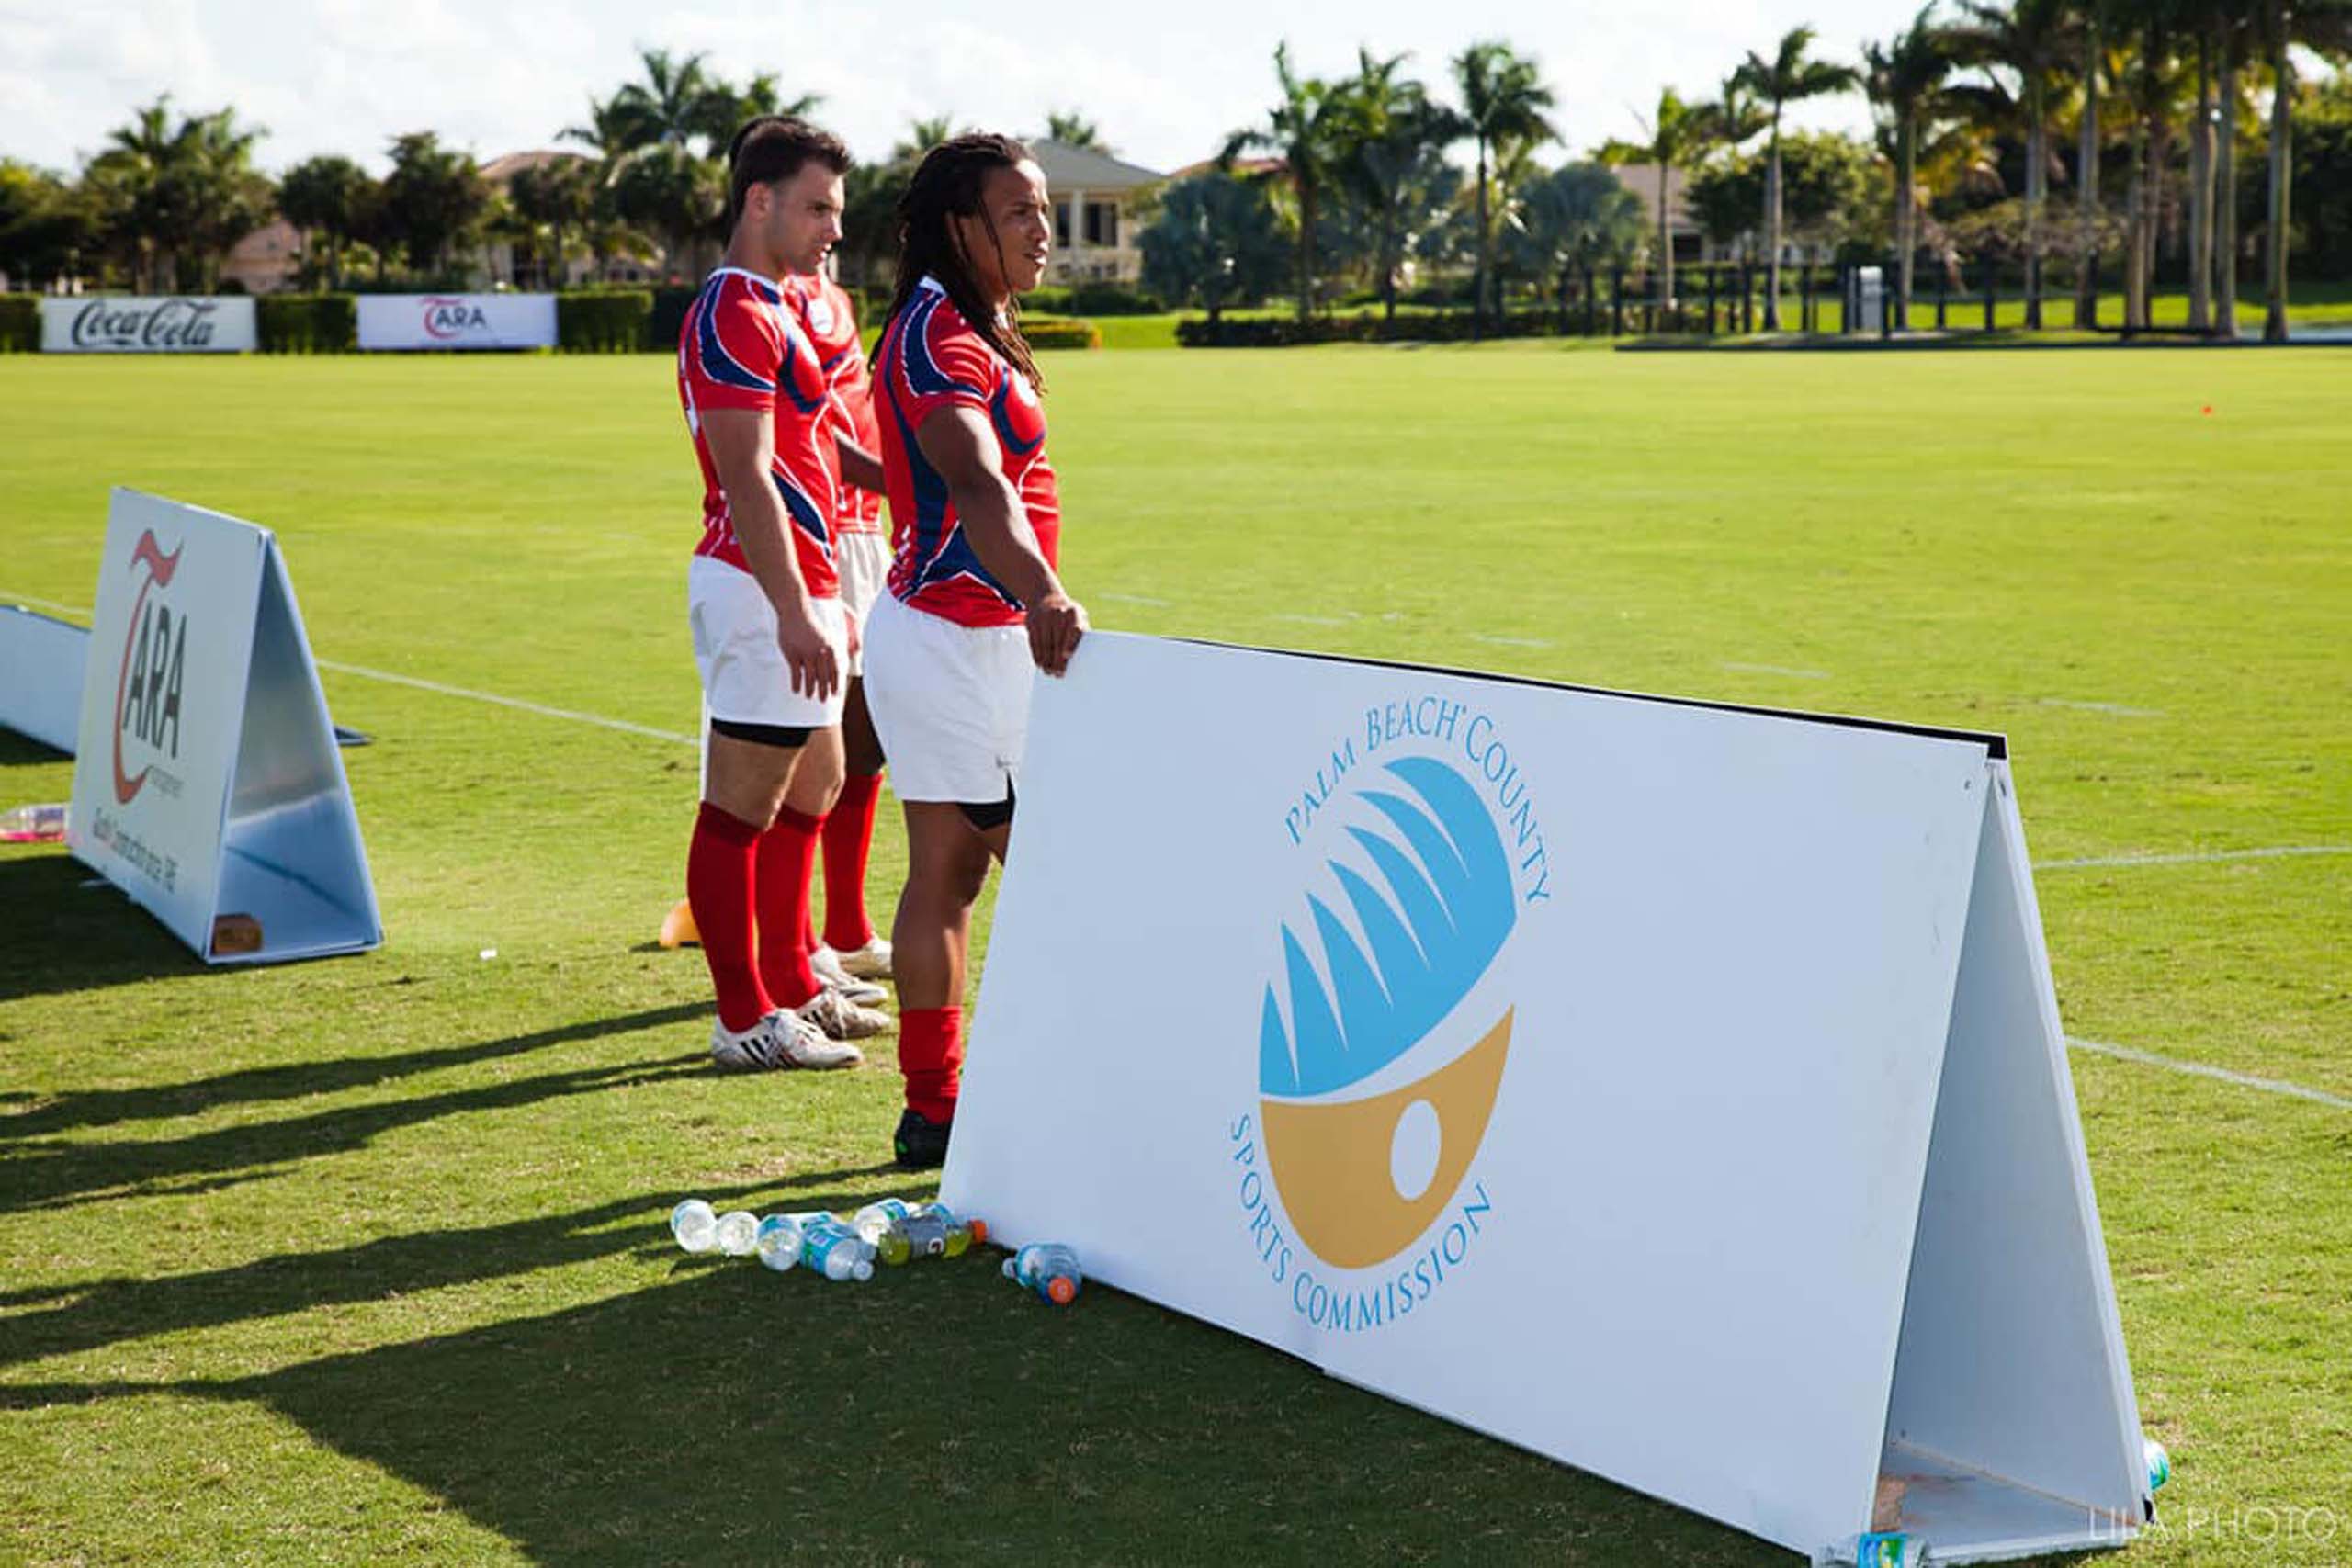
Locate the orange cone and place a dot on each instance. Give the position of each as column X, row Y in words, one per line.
column 678, row 929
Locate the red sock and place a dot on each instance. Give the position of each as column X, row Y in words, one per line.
column 787, row 865
column 849, row 834
column 720, row 868
column 931, row 1055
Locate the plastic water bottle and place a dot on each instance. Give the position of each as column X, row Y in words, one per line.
column 32, row 824
column 1051, row 1269
column 836, row 1252
column 961, row 1233
column 870, row 1222
column 779, row 1242
column 2159, row 1462
column 738, row 1232
column 1876, row 1549
column 694, row 1225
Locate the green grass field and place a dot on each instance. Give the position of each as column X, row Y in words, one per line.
column 364, row 1260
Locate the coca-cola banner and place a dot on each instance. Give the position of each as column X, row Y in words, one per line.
column 173, row 323
column 456, row 321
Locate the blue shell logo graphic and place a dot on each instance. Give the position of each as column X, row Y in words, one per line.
column 1434, row 925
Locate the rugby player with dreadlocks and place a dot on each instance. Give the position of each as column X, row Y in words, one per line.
column 973, row 601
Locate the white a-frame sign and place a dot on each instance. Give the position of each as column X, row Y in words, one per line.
column 1673, row 1090
column 207, row 784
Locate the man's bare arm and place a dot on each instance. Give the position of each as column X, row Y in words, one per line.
column 959, row 444
column 743, row 448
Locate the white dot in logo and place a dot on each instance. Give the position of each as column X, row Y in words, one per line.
column 1414, row 1148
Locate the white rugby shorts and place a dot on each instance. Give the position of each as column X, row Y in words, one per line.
column 864, row 560
column 744, row 677
column 950, row 703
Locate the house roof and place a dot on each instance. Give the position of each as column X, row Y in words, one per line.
column 1242, row 166
column 1078, row 168
column 506, row 166
column 1641, row 179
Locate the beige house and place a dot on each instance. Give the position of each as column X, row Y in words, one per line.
column 1096, row 201
column 1681, row 232
column 266, row 259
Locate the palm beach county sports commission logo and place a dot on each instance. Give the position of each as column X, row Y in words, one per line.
column 1386, row 1025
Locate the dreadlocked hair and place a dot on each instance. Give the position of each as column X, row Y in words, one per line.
column 946, row 185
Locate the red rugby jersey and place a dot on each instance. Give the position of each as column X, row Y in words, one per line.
column 930, row 359
column 742, row 348
column 830, row 317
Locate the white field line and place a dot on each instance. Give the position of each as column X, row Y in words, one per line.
column 1508, row 641
column 2274, row 852
column 2199, row 1069
column 516, row 702
column 1779, row 669
column 2103, row 708
column 1143, row 599
column 81, row 611
column 1312, row 620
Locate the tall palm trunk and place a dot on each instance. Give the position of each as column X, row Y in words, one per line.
column 2200, row 194
column 2225, row 198
column 1306, row 250
column 2087, row 185
column 2037, row 180
column 1486, row 260
column 1664, row 247
column 2136, row 277
column 1772, row 230
column 2282, row 130
column 1907, row 215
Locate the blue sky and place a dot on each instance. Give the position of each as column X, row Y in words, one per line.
column 1163, row 82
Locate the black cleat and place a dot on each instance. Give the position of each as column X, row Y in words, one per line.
column 920, row 1144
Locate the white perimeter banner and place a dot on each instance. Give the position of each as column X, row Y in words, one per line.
column 1563, row 1062
column 176, row 324
column 456, row 321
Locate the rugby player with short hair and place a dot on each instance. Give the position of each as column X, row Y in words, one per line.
column 973, row 601
column 769, row 634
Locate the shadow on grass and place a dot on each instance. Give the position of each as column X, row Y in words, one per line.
column 19, row 750
column 57, row 934
column 92, row 1314
column 728, row 1414
column 56, row 1174
column 106, row 1107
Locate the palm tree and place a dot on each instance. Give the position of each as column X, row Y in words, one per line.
column 2091, row 37
column 674, row 105
column 1905, row 78
column 1680, row 136
column 1787, row 78
column 1310, row 131
column 1503, row 100
column 1072, row 129
column 1393, row 162
column 726, row 108
column 2233, row 23
column 2031, row 39
column 327, row 196
column 2325, row 26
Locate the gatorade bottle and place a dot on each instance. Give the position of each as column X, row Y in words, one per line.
column 1876, row 1549
column 779, row 1242
column 1051, row 1269
column 694, row 1225
column 870, row 1222
column 916, row 1236
column 961, row 1233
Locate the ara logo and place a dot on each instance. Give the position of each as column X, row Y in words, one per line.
column 1384, row 1035
column 450, row 317
column 147, row 689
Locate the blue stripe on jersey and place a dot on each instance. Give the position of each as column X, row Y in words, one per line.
column 804, row 515
column 923, row 374
column 785, row 377
column 711, row 355
column 1001, row 416
column 931, row 490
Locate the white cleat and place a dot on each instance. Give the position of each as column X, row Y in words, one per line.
column 871, row 962
column 841, row 1018
column 779, row 1041
column 835, row 977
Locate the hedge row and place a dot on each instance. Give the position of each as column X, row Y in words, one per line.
column 19, row 323
column 1287, row 331
column 1092, row 299
column 604, row 321
column 307, row 324
column 1061, row 332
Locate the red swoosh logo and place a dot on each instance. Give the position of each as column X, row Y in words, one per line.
column 160, row 567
